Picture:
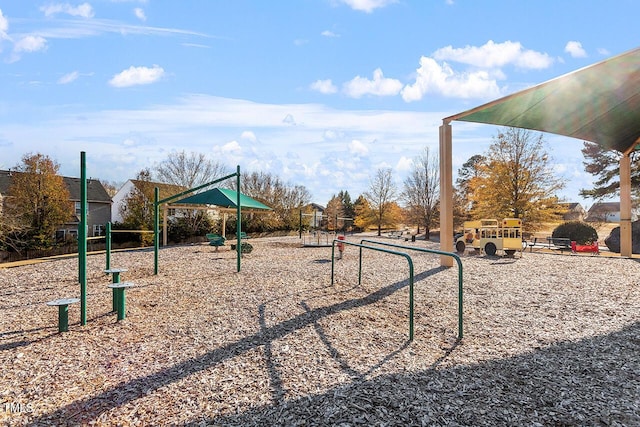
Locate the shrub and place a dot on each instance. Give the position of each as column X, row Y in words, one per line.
column 580, row 232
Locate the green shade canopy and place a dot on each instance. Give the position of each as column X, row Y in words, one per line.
column 599, row 103
column 222, row 197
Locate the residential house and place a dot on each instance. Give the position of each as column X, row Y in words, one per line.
column 604, row 212
column 147, row 188
column 98, row 204
column 573, row 212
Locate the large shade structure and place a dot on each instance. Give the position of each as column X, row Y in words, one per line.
column 222, row 197
column 599, row 103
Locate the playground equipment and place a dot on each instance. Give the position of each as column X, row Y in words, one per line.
column 490, row 235
column 437, row 252
column 362, row 246
column 319, row 234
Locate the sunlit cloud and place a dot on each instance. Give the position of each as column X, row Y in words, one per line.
column 495, row 55
column 84, row 10
column 575, row 49
column 367, row 6
column 324, row 86
column 379, row 86
column 134, row 76
column 68, row 78
column 139, row 12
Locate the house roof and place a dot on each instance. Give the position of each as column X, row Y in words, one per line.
column 95, row 190
column 165, row 190
column 605, row 207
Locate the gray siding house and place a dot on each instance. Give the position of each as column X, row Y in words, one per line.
column 98, row 205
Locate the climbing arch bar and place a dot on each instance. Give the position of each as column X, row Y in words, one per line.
column 437, row 252
column 402, row 254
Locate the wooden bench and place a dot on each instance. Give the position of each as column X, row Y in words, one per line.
column 63, row 311
column 119, row 298
column 395, row 234
column 216, row 240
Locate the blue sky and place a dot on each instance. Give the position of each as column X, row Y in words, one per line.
column 321, row 93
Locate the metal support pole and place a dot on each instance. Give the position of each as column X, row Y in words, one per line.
column 239, row 221
column 156, row 230
column 107, row 245
column 82, row 240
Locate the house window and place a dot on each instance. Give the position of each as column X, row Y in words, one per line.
column 98, row 230
column 78, row 208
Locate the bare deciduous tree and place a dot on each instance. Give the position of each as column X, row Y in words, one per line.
column 189, row 169
column 422, row 191
column 382, row 193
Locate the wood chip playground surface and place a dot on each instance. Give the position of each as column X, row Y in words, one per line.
column 548, row 340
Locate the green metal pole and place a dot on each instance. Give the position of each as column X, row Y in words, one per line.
column 156, row 229
column 121, row 304
column 107, row 244
column 239, row 222
column 82, row 239
column 63, row 318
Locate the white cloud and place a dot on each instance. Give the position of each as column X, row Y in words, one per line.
column 328, row 33
column 575, row 49
column 68, row 78
column 139, row 12
column 4, row 26
column 358, row 148
column 231, row 148
column 495, row 55
column 137, row 76
column 405, row 164
column 367, row 5
column 84, row 10
column 603, row 51
column 249, row 136
column 379, row 86
column 300, row 42
column 324, row 86
column 434, row 78
column 30, row 44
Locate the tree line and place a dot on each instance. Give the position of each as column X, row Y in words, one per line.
column 513, row 178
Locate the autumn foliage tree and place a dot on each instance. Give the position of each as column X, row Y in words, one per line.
column 38, row 201
column 516, row 180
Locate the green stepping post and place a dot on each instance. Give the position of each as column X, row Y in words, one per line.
column 63, row 311
column 119, row 295
column 116, row 279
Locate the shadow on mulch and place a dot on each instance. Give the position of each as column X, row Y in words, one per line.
column 85, row 410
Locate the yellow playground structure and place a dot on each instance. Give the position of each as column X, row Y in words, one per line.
column 491, row 235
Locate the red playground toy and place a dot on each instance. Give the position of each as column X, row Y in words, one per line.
column 593, row 248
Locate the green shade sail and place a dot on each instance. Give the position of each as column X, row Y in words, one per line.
column 222, row 197
column 599, row 103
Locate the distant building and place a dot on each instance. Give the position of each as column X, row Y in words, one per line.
column 317, row 218
column 574, row 212
column 147, row 189
column 604, row 212
column 98, row 205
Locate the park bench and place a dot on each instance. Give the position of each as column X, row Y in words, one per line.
column 555, row 243
column 63, row 311
column 243, row 235
column 395, row 234
column 216, row 240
